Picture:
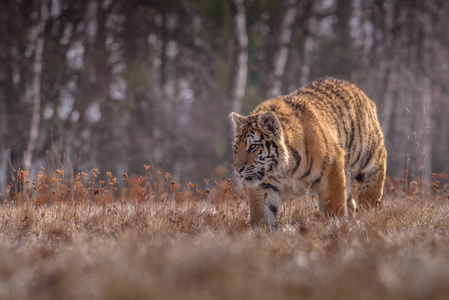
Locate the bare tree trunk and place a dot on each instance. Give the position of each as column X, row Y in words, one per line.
column 427, row 131
column 359, row 39
column 344, row 12
column 36, row 88
column 308, row 42
column 429, row 111
column 283, row 36
column 441, row 136
column 164, row 57
column 391, row 49
column 4, row 155
column 389, row 100
column 91, row 22
column 307, row 53
column 241, row 56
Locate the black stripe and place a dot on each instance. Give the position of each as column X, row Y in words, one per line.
column 306, row 149
column 273, row 208
column 275, row 148
column 297, row 158
column 309, row 168
column 348, row 113
column 351, row 135
column 350, row 138
column 338, row 115
column 360, row 142
column 359, row 114
column 322, row 106
column 304, row 92
column 368, row 155
column 277, row 178
column 343, row 123
column 268, row 145
column 330, row 101
column 381, row 152
column 269, row 186
column 316, row 180
column 294, row 104
column 326, row 151
column 358, row 157
column 324, row 163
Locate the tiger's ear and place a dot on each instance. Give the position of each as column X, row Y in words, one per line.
column 237, row 119
column 270, row 122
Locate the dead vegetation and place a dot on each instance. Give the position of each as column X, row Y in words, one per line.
column 153, row 239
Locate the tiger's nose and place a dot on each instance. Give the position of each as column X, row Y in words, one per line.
column 239, row 169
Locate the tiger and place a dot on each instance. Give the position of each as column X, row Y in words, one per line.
column 322, row 137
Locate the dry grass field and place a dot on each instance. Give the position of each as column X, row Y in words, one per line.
column 154, row 239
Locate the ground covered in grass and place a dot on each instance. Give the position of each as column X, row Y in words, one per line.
column 153, row 239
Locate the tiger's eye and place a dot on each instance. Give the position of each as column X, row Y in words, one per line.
column 253, row 147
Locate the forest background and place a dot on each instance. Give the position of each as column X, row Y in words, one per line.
column 117, row 84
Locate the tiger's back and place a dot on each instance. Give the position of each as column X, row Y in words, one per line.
column 323, row 135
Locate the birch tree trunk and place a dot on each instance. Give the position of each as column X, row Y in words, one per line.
column 392, row 50
column 308, row 43
column 389, row 100
column 429, row 111
column 282, row 36
column 427, row 133
column 36, row 87
column 241, row 56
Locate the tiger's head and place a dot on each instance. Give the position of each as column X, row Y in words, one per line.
column 258, row 147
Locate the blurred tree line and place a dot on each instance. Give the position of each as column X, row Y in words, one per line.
column 115, row 84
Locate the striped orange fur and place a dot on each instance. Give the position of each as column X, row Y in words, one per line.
column 323, row 136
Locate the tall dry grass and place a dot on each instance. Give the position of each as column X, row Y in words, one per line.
column 153, row 239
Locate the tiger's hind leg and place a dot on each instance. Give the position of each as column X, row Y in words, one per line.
column 332, row 191
column 372, row 187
